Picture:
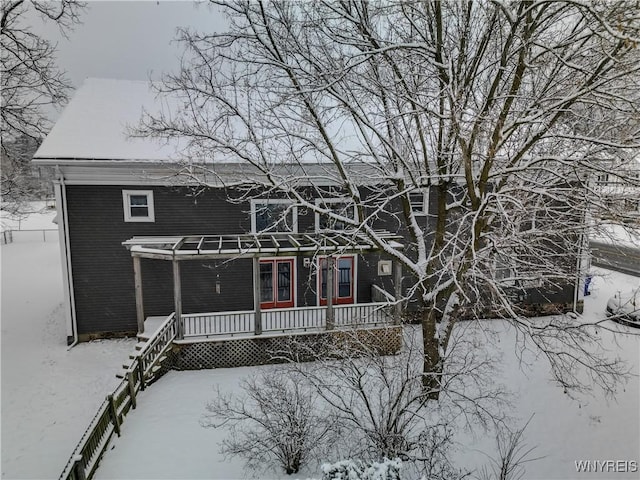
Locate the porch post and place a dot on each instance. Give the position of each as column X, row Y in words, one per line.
column 256, row 296
column 177, row 299
column 137, row 275
column 330, row 272
column 397, row 287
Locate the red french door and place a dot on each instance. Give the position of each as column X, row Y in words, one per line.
column 276, row 283
column 343, row 280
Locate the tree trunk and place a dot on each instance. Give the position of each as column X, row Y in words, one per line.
column 432, row 362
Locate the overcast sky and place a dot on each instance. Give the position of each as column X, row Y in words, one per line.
column 127, row 39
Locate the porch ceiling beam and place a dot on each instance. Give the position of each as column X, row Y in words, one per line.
column 329, row 239
column 293, row 241
column 312, row 240
column 156, row 256
column 178, row 244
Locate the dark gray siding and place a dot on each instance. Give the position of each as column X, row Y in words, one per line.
column 103, row 269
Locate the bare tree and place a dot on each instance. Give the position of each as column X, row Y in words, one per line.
column 30, row 82
column 503, row 112
column 380, row 404
column 30, row 78
column 275, row 422
column 513, row 453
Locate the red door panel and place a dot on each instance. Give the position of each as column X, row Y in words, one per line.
column 343, row 280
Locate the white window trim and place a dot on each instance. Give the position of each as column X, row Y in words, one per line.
column 320, row 201
column 425, row 201
column 126, row 205
column 268, row 201
column 502, row 263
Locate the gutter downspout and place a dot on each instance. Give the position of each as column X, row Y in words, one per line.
column 66, row 257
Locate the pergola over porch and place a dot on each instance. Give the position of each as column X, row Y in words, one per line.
column 254, row 246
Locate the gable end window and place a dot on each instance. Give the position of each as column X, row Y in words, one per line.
column 138, row 205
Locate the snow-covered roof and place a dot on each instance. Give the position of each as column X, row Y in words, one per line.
column 95, row 123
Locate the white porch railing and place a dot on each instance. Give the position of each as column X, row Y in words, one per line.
column 285, row 319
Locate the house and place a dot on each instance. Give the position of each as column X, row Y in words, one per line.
column 139, row 242
column 131, row 236
column 617, row 190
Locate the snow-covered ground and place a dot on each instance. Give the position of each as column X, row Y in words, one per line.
column 37, row 216
column 49, row 393
column 618, row 235
column 164, row 439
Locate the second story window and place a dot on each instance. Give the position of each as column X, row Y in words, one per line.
column 338, row 208
column 419, row 200
column 138, row 205
column 273, row 215
column 602, row 179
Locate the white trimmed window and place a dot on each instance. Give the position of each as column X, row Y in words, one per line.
column 602, row 179
column 504, row 270
column 274, row 215
column 138, row 205
column 339, row 207
column 419, row 200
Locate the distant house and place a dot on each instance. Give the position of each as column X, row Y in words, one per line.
column 138, row 242
column 619, row 187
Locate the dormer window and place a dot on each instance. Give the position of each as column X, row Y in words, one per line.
column 138, row 205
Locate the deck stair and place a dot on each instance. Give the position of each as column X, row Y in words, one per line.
column 150, row 353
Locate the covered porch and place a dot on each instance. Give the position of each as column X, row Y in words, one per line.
column 384, row 310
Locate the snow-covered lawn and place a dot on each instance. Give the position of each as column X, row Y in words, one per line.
column 38, row 215
column 164, row 439
column 49, row 393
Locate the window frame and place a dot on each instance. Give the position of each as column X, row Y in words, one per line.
column 353, row 298
column 319, row 203
column 293, row 287
column 504, row 263
column 126, row 206
column 425, row 201
column 274, row 201
column 602, row 179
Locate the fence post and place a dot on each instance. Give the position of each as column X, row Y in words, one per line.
column 132, row 388
column 114, row 413
column 141, row 372
column 78, row 468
